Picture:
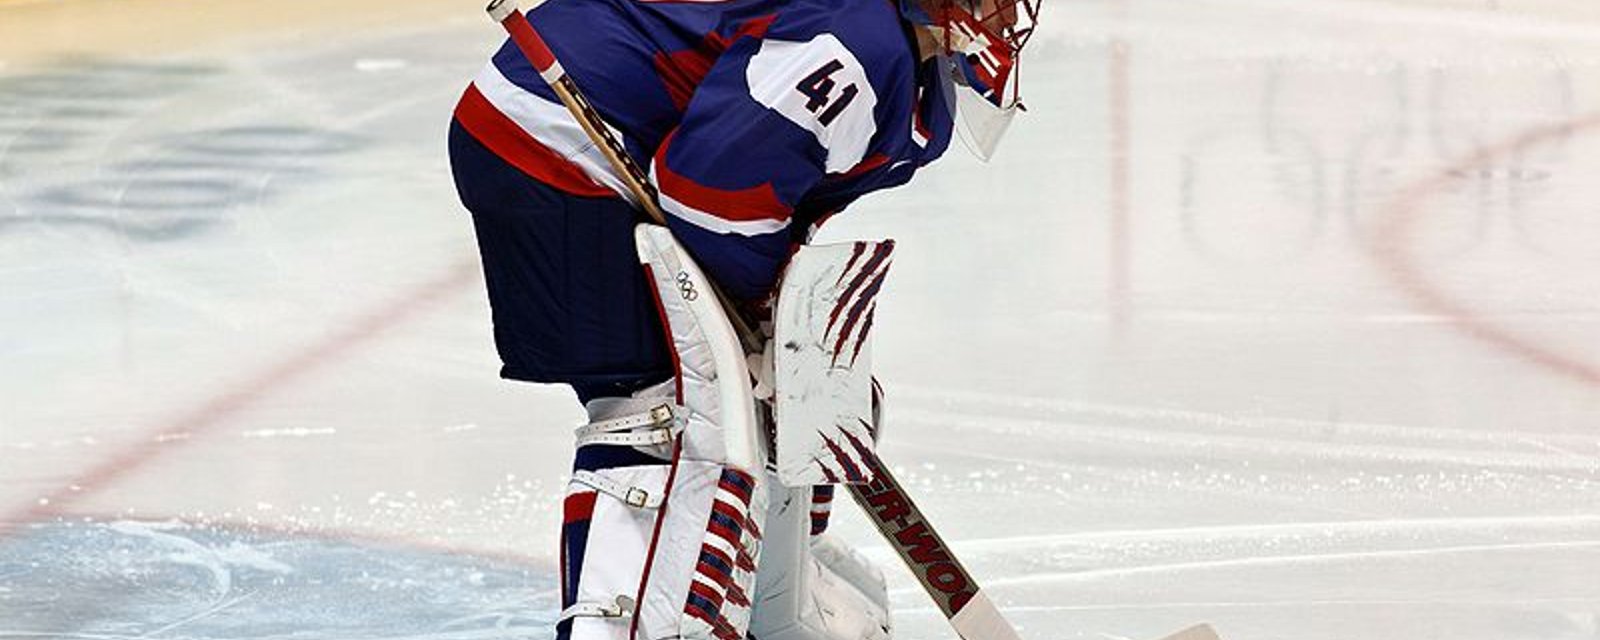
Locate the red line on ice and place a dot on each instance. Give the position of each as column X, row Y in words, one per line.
column 194, row 422
column 1392, row 244
column 1121, row 236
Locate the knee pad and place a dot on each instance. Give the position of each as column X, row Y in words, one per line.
column 665, row 511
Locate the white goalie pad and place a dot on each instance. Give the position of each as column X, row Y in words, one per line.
column 694, row 565
column 713, row 378
column 814, row 588
column 823, row 362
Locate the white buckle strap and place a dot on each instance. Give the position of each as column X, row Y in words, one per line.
column 657, row 415
column 622, row 608
column 632, row 496
column 662, row 417
column 649, row 438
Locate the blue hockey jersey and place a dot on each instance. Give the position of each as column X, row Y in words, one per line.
column 757, row 118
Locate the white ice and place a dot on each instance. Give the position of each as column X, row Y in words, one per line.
column 1279, row 315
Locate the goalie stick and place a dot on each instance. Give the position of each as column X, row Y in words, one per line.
column 885, row 500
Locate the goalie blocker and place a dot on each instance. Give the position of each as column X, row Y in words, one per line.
column 825, row 402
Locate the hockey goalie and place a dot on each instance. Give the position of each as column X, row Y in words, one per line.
column 700, row 486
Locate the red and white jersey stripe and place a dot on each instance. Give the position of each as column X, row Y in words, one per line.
column 547, row 124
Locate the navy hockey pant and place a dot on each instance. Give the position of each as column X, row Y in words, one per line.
column 569, row 300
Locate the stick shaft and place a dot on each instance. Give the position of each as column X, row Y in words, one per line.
column 924, row 551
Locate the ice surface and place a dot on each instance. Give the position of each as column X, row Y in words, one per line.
column 1278, row 315
column 128, row 579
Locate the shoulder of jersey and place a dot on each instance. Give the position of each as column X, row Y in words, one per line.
column 870, row 29
column 828, row 66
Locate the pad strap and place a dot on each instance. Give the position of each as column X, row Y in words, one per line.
column 621, row 608
column 630, row 495
column 662, row 423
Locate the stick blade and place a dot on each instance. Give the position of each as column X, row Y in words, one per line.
column 1197, row 632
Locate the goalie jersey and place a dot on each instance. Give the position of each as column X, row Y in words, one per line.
column 757, row 119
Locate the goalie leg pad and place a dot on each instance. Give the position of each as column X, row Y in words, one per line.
column 855, row 569
column 652, row 548
column 618, row 485
column 665, row 510
column 700, row 568
column 814, row 588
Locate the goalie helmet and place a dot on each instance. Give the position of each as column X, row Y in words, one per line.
column 982, row 42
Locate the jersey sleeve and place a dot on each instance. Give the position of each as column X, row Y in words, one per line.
column 770, row 119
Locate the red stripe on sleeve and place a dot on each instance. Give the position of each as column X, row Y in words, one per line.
column 864, row 167
column 509, row 141
column 756, row 203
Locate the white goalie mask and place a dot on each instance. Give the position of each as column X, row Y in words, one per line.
column 979, row 122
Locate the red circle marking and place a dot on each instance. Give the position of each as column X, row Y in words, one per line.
column 1394, row 238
